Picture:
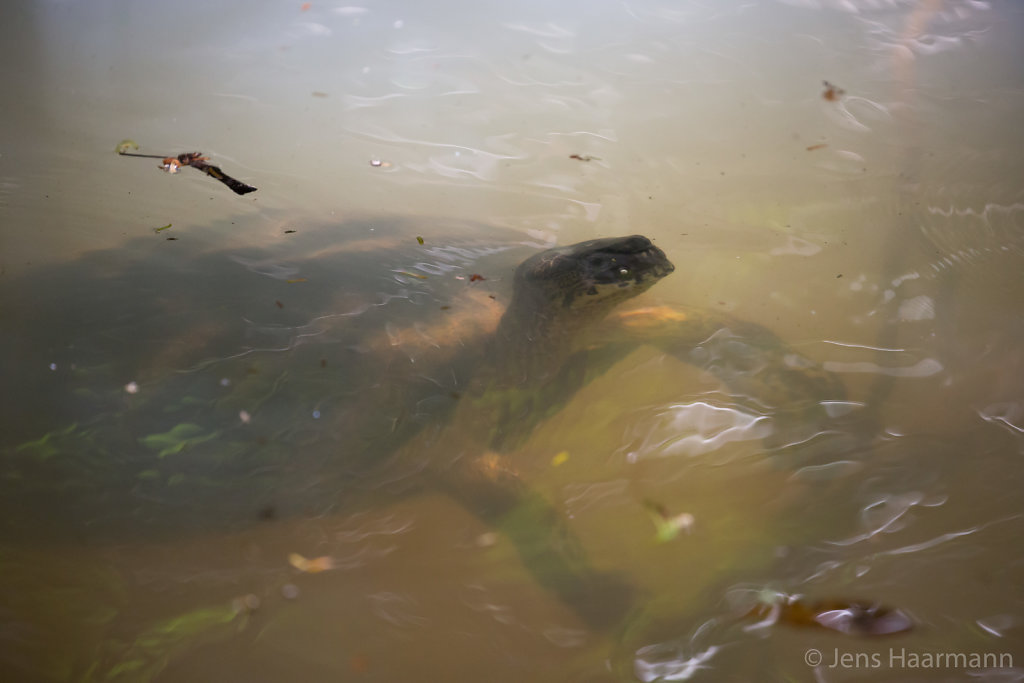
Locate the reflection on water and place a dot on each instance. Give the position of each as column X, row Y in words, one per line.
column 180, row 417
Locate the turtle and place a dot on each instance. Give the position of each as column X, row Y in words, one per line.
column 469, row 399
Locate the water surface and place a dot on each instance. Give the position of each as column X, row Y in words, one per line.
column 180, row 415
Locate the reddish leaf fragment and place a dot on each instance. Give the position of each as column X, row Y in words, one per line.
column 832, row 92
column 849, row 617
column 476, row 277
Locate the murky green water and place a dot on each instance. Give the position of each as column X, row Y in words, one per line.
column 181, row 416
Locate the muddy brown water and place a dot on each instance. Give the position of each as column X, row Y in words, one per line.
column 179, row 416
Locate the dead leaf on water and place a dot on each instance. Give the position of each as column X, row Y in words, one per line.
column 849, row 617
column 668, row 526
column 297, row 279
column 163, row 228
column 832, row 92
column 126, row 145
column 310, row 566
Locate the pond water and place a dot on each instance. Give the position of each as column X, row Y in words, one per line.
column 196, row 382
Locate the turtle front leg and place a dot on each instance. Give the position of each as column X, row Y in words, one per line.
column 546, row 545
column 751, row 360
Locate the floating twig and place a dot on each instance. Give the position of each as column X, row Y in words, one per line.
column 196, row 160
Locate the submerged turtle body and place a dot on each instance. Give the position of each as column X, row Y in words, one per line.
column 295, row 425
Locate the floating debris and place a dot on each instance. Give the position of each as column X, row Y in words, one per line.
column 849, row 617
column 171, row 164
column 475, row 277
column 159, row 230
column 832, row 92
column 278, row 304
column 288, row 232
column 125, row 145
column 584, row 157
column 294, row 280
column 132, row 387
column 818, row 146
column 310, row 566
column 560, row 459
column 415, row 275
column 668, row 526
column 419, row 239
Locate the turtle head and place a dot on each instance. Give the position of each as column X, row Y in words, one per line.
column 590, row 277
column 560, row 292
